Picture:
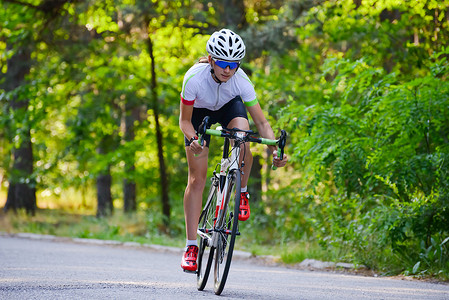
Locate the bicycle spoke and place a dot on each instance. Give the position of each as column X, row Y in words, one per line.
column 224, row 227
column 227, row 234
column 205, row 231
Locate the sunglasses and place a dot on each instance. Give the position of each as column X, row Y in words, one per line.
column 224, row 64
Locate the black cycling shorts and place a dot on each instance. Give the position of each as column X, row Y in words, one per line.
column 233, row 109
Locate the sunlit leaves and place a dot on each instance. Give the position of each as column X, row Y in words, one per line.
column 99, row 17
column 355, row 83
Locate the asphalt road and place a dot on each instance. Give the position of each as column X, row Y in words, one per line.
column 46, row 268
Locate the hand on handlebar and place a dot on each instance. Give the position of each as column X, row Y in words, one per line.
column 196, row 148
column 279, row 157
column 277, row 162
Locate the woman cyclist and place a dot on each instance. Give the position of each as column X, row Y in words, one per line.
column 218, row 88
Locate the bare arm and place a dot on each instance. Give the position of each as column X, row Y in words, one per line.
column 185, row 123
column 262, row 125
column 265, row 131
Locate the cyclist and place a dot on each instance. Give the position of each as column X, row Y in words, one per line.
column 218, row 88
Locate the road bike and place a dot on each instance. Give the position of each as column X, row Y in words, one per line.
column 218, row 222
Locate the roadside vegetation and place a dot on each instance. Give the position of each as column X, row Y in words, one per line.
column 90, row 144
column 145, row 228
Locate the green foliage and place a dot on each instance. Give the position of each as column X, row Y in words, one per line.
column 142, row 227
column 381, row 144
column 368, row 130
column 360, row 86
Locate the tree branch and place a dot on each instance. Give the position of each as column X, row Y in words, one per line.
column 23, row 4
column 46, row 6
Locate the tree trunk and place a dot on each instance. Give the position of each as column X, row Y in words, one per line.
column 255, row 180
column 233, row 14
column 159, row 140
column 163, row 172
column 129, row 193
column 22, row 187
column 104, row 182
column 11, row 202
column 104, row 196
column 129, row 185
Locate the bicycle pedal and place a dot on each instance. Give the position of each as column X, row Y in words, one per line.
column 190, row 272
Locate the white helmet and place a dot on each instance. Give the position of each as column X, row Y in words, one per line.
column 226, row 45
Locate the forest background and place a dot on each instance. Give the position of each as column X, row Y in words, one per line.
column 89, row 95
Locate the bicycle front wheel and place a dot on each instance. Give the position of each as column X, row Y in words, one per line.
column 227, row 232
column 205, row 226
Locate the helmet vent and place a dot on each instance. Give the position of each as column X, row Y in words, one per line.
column 226, row 45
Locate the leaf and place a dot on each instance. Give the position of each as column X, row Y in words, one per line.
column 445, row 241
column 416, row 267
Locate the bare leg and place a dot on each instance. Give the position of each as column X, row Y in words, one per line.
column 193, row 196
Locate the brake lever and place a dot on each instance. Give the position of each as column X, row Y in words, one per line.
column 202, row 130
column 282, row 142
column 281, row 145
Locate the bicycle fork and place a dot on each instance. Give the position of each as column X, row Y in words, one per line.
column 223, row 197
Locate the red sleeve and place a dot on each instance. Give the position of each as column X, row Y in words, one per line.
column 187, row 102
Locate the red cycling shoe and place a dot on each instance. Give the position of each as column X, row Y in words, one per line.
column 188, row 263
column 244, row 207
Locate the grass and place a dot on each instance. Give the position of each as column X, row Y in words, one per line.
column 145, row 228
column 68, row 216
column 140, row 227
column 122, row 227
column 259, row 237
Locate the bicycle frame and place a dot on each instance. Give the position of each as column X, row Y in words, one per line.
column 228, row 165
column 218, row 222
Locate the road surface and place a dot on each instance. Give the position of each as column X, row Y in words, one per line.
column 45, row 268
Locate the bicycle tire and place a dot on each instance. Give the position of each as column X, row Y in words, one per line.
column 225, row 248
column 206, row 221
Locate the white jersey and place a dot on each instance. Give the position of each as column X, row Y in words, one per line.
column 202, row 91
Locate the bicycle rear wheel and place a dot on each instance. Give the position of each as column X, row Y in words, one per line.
column 205, row 226
column 228, row 232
